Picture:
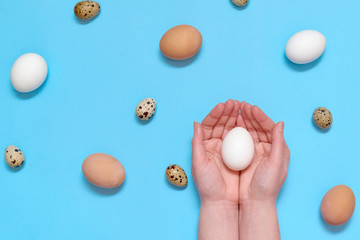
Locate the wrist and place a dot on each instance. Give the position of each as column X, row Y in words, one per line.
column 218, row 220
column 224, row 204
column 258, row 220
column 223, row 209
column 254, row 204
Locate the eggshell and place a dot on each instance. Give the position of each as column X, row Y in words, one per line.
column 305, row 46
column 87, row 9
column 240, row 3
column 28, row 72
column 103, row 170
column 238, row 149
column 322, row 117
column 14, row 157
column 176, row 175
column 146, row 108
column 338, row 205
column 181, row 42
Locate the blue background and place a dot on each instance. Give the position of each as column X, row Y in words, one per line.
column 99, row 71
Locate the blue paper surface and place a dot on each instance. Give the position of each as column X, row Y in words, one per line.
column 99, row 71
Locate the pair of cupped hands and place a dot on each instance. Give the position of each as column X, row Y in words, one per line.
column 262, row 180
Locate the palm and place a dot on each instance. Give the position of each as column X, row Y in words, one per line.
column 257, row 180
column 266, row 173
column 214, row 180
column 222, row 179
column 254, row 171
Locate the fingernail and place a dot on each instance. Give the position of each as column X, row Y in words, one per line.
column 195, row 126
column 281, row 126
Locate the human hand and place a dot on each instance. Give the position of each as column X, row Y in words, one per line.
column 261, row 182
column 263, row 179
column 218, row 186
column 214, row 180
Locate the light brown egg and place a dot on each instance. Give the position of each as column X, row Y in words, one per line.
column 338, row 205
column 181, row 42
column 103, row 170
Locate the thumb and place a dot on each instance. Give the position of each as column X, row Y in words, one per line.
column 278, row 143
column 198, row 149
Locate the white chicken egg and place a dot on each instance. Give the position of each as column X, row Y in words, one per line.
column 28, row 72
column 305, row 46
column 238, row 149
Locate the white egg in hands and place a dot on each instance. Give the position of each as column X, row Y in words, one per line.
column 238, row 149
column 28, row 72
column 305, row 46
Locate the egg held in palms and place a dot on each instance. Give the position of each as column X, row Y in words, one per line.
column 238, row 149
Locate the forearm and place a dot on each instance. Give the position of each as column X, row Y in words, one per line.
column 218, row 221
column 258, row 221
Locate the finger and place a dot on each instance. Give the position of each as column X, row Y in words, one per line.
column 220, row 125
column 265, row 122
column 240, row 120
column 245, row 110
column 279, row 151
column 232, row 119
column 211, row 119
column 198, row 148
column 260, row 132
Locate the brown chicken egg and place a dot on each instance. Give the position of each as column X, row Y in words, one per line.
column 338, row 205
column 181, row 42
column 103, row 170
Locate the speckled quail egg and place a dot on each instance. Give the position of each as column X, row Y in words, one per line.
column 322, row 117
column 146, row 108
column 240, row 3
column 14, row 157
column 86, row 9
column 176, row 175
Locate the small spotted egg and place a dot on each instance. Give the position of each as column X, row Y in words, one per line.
column 240, row 3
column 14, row 157
column 176, row 175
column 146, row 108
column 322, row 117
column 86, row 9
